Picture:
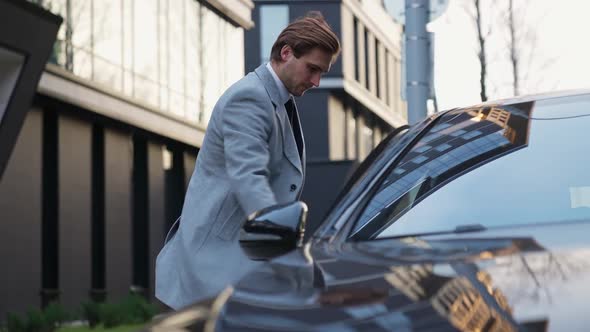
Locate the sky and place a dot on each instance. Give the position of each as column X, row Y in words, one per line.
column 559, row 60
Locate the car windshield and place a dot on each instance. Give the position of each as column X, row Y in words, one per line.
column 488, row 166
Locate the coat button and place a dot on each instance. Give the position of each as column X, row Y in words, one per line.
column 293, row 187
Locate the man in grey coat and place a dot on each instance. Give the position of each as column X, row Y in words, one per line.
column 253, row 156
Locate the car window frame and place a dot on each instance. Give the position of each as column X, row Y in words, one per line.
column 345, row 199
column 337, row 228
column 365, row 164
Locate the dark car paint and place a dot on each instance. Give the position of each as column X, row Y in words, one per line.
column 508, row 279
column 525, row 278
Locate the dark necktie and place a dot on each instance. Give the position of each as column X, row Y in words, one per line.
column 294, row 120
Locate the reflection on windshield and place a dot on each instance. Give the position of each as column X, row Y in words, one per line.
column 461, row 141
column 457, row 298
column 464, row 292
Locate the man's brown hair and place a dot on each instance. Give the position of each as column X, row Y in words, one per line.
column 305, row 34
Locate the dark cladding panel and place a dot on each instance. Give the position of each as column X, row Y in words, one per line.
column 189, row 166
column 157, row 223
column 118, row 163
column 75, row 210
column 252, row 43
column 313, row 110
column 174, row 182
column 140, row 230
column 323, row 182
column 20, row 221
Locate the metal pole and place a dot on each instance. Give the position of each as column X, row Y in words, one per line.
column 417, row 53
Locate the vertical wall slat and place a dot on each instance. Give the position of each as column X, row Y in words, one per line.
column 157, row 222
column 118, row 163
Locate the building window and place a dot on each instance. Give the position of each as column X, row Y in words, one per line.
column 377, row 68
column 337, row 128
column 222, row 58
column 145, row 55
column 367, row 66
column 361, row 53
column 351, row 135
column 153, row 51
column 366, row 140
column 273, row 19
column 377, row 135
column 395, row 82
column 357, row 70
column 387, row 77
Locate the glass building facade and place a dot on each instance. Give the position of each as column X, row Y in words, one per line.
column 109, row 141
column 174, row 56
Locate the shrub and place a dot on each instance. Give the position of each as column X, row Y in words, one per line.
column 137, row 309
column 133, row 309
column 38, row 321
column 56, row 314
column 91, row 312
column 15, row 323
column 111, row 315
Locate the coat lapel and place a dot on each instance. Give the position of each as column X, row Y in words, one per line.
column 289, row 145
column 298, row 123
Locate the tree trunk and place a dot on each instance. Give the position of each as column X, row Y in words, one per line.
column 482, row 53
column 513, row 50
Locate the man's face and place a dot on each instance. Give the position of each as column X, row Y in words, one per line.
column 301, row 74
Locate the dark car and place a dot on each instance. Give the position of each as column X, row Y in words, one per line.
column 476, row 219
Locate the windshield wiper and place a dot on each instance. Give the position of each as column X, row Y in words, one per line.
column 467, row 228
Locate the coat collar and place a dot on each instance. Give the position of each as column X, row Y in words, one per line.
column 284, row 94
column 269, row 84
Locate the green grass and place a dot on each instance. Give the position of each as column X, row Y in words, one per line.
column 122, row 328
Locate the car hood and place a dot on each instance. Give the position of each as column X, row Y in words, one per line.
column 526, row 278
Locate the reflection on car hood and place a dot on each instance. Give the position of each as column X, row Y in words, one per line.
column 527, row 278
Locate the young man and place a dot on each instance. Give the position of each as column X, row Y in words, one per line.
column 253, row 156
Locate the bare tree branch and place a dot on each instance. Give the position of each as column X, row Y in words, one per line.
column 514, row 59
column 482, row 52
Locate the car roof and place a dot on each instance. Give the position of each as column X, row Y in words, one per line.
column 532, row 97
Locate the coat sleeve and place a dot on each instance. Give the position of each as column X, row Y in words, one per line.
column 247, row 123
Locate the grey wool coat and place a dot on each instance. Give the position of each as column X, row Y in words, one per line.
column 249, row 160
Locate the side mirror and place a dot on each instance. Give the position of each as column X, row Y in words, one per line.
column 274, row 230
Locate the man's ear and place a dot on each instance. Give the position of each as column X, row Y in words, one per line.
column 286, row 52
